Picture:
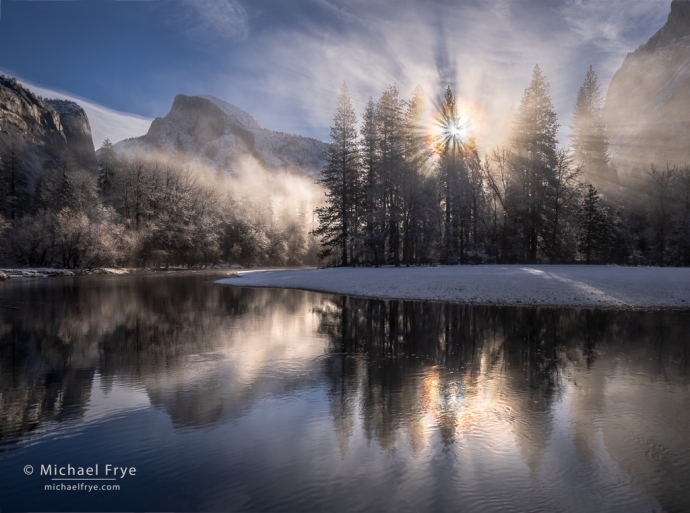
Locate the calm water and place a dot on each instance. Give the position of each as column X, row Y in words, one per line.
column 228, row 399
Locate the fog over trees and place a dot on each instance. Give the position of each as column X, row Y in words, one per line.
column 149, row 210
column 404, row 183
column 402, row 193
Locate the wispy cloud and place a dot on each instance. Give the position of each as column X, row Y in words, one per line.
column 615, row 25
column 209, row 20
column 297, row 54
column 485, row 49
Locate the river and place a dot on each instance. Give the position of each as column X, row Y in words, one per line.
column 236, row 399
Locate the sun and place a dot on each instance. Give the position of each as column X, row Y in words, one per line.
column 450, row 132
column 456, row 130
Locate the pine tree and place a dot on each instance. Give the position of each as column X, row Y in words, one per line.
column 15, row 184
column 589, row 139
column 106, row 163
column 64, row 194
column 373, row 207
column 457, row 153
column 412, row 193
column 533, row 161
column 340, row 178
column 449, row 159
column 595, row 227
column 391, row 128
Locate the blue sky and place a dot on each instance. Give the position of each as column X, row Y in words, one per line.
column 283, row 60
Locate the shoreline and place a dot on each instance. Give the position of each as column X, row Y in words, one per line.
column 7, row 273
column 547, row 286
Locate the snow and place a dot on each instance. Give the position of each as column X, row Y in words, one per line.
column 244, row 119
column 45, row 272
column 545, row 285
column 36, row 272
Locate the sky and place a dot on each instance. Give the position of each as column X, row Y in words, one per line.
column 283, row 61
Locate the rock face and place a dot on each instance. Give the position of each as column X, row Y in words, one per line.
column 648, row 101
column 77, row 132
column 219, row 134
column 43, row 130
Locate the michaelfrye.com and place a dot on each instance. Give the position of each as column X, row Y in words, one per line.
column 95, row 478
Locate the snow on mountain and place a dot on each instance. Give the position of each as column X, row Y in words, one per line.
column 218, row 133
column 237, row 115
column 648, row 101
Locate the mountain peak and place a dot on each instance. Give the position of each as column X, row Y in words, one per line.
column 677, row 27
column 218, row 133
column 244, row 119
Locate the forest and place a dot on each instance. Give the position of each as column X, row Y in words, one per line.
column 399, row 190
column 399, row 193
column 149, row 210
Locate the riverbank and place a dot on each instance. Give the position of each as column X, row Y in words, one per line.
column 49, row 272
column 538, row 285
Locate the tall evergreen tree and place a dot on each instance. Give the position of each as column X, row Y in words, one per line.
column 447, row 147
column 374, row 233
column 340, row 178
column 414, row 171
column 534, row 159
column 457, row 154
column 589, row 139
column 595, row 227
column 64, row 195
column 391, row 128
column 107, row 159
column 15, row 184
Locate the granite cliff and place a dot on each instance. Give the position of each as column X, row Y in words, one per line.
column 648, row 102
column 43, row 130
column 217, row 133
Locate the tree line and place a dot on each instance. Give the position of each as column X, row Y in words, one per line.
column 399, row 193
column 142, row 211
column 400, row 190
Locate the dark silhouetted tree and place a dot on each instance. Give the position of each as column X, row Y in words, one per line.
column 595, row 227
column 107, row 161
column 340, row 179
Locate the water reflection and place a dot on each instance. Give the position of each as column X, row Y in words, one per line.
column 201, row 352
column 476, row 373
column 484, row 403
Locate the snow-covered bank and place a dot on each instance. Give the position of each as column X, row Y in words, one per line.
column 46, row 272
column 546, row 285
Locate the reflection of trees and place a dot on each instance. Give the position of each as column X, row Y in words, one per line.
column 170, row 333
column 399, row 371
column 514, row 362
